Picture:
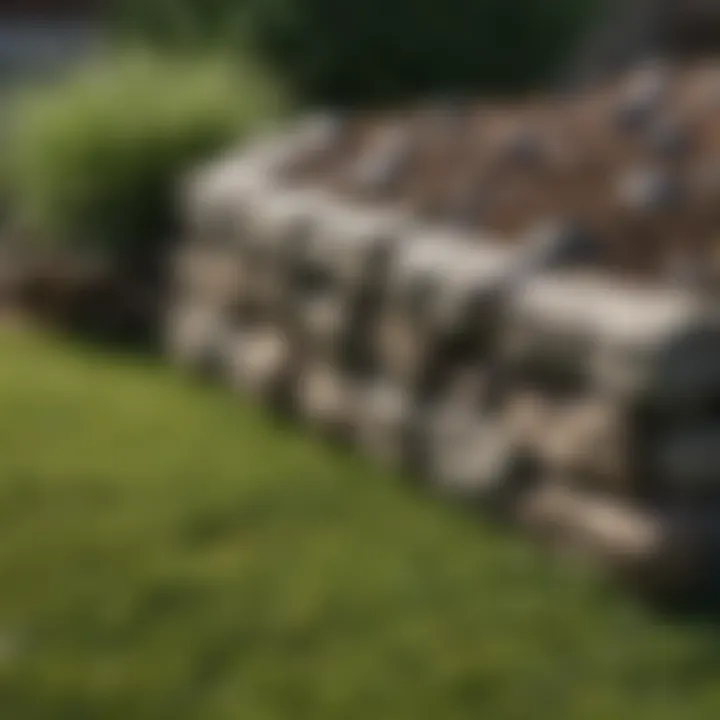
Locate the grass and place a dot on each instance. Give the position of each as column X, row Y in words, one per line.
column 166, row 552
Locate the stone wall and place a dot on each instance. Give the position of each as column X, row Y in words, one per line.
column 516, row 376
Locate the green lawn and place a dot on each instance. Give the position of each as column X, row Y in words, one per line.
column 166, row 552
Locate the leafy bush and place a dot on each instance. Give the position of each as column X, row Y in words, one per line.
column 380, row 49
column 96, row 158
column 390, row 48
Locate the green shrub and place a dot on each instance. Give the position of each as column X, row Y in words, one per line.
column 95, row 160
column 345, row 51
column 393, row 48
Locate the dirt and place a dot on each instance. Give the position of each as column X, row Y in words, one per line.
column 636, row 163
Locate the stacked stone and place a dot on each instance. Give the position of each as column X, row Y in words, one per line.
column 518, row 372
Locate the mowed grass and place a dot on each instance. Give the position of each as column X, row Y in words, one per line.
column 168, row 552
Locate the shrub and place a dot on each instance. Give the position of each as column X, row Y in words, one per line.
column 388, row 48
column 378, row 49
column 96, row 158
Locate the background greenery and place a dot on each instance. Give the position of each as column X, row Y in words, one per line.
column 96, row 158
column 337, row 50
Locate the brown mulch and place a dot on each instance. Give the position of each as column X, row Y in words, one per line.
column 636, row 162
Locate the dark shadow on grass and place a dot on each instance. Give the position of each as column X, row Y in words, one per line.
column 699, row 604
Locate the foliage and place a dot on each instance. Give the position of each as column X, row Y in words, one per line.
column 334, row 50
column 95, row 159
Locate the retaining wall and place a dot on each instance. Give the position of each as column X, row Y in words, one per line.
column 517, row 376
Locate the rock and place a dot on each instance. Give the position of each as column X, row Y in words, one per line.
column 686, row 462
column 193, row 337
column 634, row 342
column 654, row 550
column 322, row 133
column 209, row 274
column 588, row 439
column 474, row 459
column 315, row 140
column 384, row 414
column 443, row 301
column 556, row 244
column 259, row 362
column 326, row 399
column 642, row 97
column 278, row 233
column 378, row 171
column 345, row 271
column 650, row 190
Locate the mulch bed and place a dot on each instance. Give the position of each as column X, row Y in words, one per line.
column 635, row 163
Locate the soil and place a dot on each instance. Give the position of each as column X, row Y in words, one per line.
column 636, row 163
